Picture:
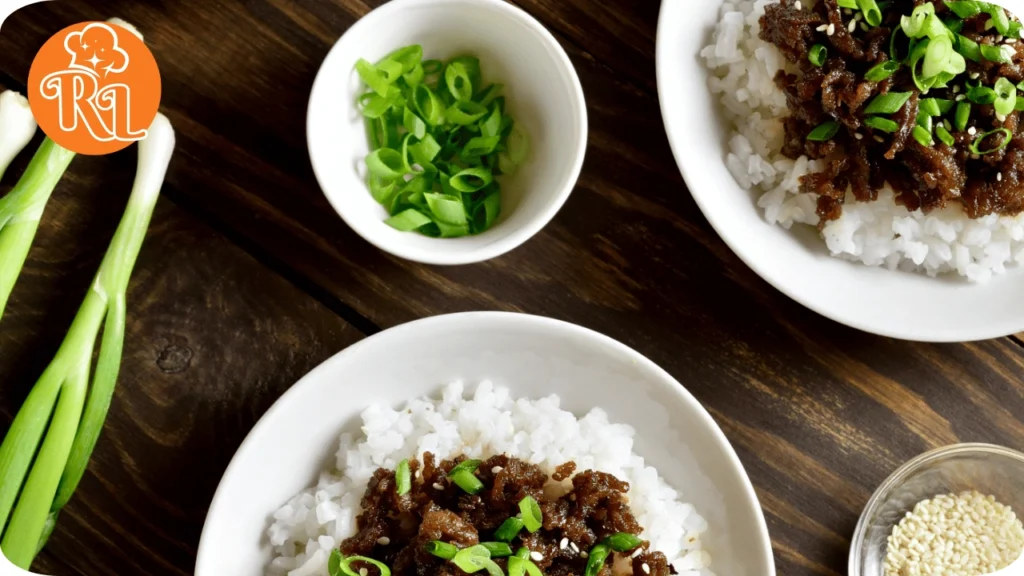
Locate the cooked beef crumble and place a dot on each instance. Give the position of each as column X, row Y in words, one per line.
column 863, row 159
column 395, row 529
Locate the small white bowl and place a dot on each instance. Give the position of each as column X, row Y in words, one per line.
column 532, row 357
column 544, row 95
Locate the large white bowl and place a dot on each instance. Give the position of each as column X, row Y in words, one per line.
column 533, row 357
column 544, row 94
column 898, row 304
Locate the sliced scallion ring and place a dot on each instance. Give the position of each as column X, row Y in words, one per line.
column 1006, row 97
column 530, row 513
column 817, row 54
column 872, row 14
column 1007, row 136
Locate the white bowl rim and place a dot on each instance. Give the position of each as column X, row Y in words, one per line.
column 752, row 503
column 998, row 328
column 900, row 474
column 521, row 234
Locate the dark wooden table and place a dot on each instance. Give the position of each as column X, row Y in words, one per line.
column 248, row 279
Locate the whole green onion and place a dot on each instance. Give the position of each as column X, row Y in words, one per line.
column 981, row 137
column 817, row 54
column 61, row 404
column 923, row 137
column 530, row 513
column 596, row 559
column 623, row 541
column 403, row 478
column 441, row 549
column 889, row 103
column 881, row 124
column 882, row 71
column 823, row 132
column 962, row 116
column 509, row 529
column 497, row 549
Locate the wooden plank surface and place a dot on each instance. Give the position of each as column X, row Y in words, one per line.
column 819, row 413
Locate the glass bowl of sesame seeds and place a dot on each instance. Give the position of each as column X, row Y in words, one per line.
column 948, row 512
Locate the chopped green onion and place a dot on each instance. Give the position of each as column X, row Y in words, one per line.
column 937, row 56
column 817, row 54
column 889, row 103
column 408, row 220
column 954, row 25
column 523, row 553
column 520, row 565
column 893, row 52
column 981, row 95
column 994, row 53
column 334, row 563
column 981, row 137
column 409, row 57
column 922, row 136
column 497, row 549
column 403, row 478
column 459, row 84
column 471, row 179
column 935, row 106
column 963, row 115
column 530, row 513
column 944, row 136
column 463, row 479
column 925, row 121
column 823, row 132
column 345, row 566
column 964, row 9
column 509, row 529
column 968, row 48
column 623, row 541
column 1019, row 106
column 881, row 124
column 471, row 559
column 882, row 71
column 432, row 66
column 386, row 164
column 596, row 559
column 934, row 28
column 999, row 18
column 872, row 14
column 913, row 25
column 1006, row 97
column 441, row 549
column 467, row 465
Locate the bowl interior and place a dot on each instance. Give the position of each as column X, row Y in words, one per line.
column 989, row 470
column 542, row 91
column 796, row 261
column 532, row 357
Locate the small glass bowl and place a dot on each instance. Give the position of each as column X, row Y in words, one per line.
column 991, row 470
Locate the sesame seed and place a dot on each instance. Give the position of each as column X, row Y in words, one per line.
column 383, row 540
column 960, row 97
column 438, row 486
column 574, row 547
column 419, row 474
column 563, row 544
column 1001, row 117
column 858, row 16
column 1008, row 51
column 972, row 130
column 864, row 27
column 496, row 469
column 879, row 138
column 852, row 26
column 847, row 11
column 956, row 89
column 975, row 157
column 831, row 29
column 999, row 38
column 647, row 569
column 999, row 177
column 858, row 135
column 637, row 552
column 798, row 5
column 947, row 125
column 536, row 556
column 584, row 554
column 1011, row 41
column 363, row 572
column 975, row 75
column 822, row 28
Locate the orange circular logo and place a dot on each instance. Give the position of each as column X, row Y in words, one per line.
column 94, row 88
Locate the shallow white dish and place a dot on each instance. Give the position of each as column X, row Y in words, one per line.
column 890, row 303
column 543, row 91
column 532, row 356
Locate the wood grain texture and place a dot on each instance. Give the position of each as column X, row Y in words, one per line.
column 820, row 414
column 212, row 339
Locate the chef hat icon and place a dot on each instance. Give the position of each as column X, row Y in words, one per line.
column 95, row 49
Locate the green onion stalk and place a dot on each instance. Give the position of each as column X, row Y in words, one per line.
column 62, row 405
column 21, row 209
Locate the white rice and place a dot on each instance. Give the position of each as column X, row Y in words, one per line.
column 491, row 422
column 877, row 233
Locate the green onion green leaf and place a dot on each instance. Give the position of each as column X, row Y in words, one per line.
column 889, row 103
column 623, row 541
column 441, row 549
column 403, row 479
column 882, row 71
column 530, row 513
column 963, row 115
column 596, row 559
column 823, row 132
column 881, row 124
column 497, row 549
column 509, row 529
